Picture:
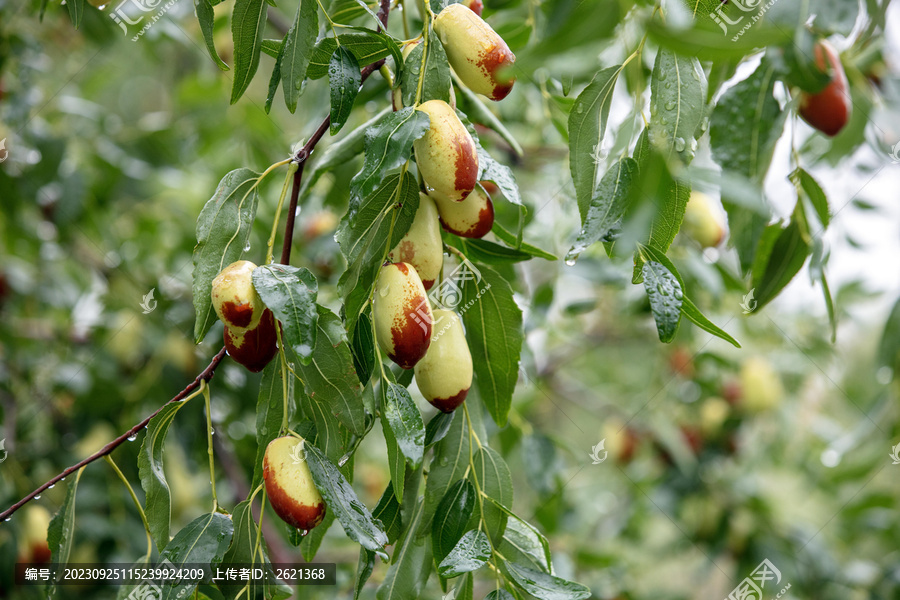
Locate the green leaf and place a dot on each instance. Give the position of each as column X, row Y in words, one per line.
column 330, row 376
column 452, row 518
column 494, row 332
column 495, row 482
column 340, row 153
column 665, row 296
column 510, row 239
column 410, row 564
column 687, row 307
column 153, row 477
column 796, row 62
column 297, row 48
column 363, row 236
column 76, row 11
column 522, row 543
column 344, row 79
column 814, row 192
column 607, row 206
column 388, row 512
column 223, row 229
column 274, row 78
column 61, row 532
column 364, row 568
column 363, row 347
column 889, row 346
column 356, row 519
column 202, row 541
column 396, row 460
column 775, row 269
column 243, row 550
column 270, row 405
column 677, row 104
column 290, row 293
column 471, row 553
column 500, row 594
column 366, row 48
column 544, row 586
column 310, row 543
column 436, row 85
column 437, row 428
column 388, row 146
column 248, row 22
column 707, row 42
column 587, row 125
column 486, row 252
column 491, row 170
column 206, row 16
column 449, row 464
column 405, row 421
column 746, row 123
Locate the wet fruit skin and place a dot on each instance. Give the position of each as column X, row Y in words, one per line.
column 444, row 376
column 471, row 218
column 402, row 314
column 234, row 299
column 422, row 246
column 253, row 348
column 446, row 154
column 828, row 110
column 702, row 222
column 479, row 56
column 289, row 484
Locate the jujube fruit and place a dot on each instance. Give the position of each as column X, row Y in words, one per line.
column 33, row 546
column 235, row 299
column 760, row 384
column 401, row 314
column 828, row 110
column 479, row 56
column 471, row 218
column 289, row 484
column 422, row 246
column 446, row 154
column 255, row 347
column 702, row 221
column 444, row 376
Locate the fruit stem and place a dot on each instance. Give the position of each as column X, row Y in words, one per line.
column 209, row 433
column 137, row 503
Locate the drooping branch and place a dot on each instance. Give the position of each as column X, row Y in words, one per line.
column 208, row 372
column 205, row 375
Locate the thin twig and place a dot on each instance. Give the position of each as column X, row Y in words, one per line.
column 205, row 375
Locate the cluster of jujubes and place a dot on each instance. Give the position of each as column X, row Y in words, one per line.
column 829, row 109
column 410, row 333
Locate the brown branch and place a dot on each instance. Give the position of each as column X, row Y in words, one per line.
column 304, row 153
column 205, row 375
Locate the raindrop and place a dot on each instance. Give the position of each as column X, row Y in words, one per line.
column 38, row 497
column 830, row 458
column 679, row 144
column 704, row 124
column 101, row 7
column 678, row 294
column 661, row 75
column 670, row 105
column 664, row 121
column 132, row 437
column 52, row 485
column 662, row 290
column 668, row 85
column 63, row 479
column 579, row 108
column 7, row 519
column 247, row 246
column 212, row 431
column 571, row 259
